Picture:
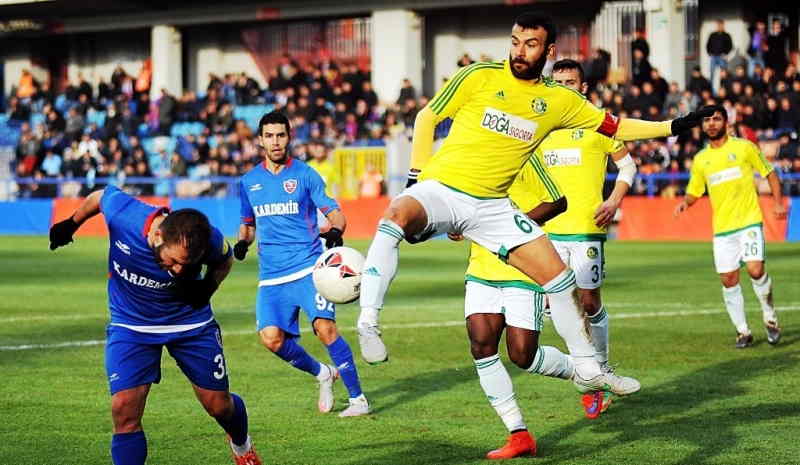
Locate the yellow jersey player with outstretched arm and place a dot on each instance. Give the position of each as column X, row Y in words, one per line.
column 725, row 168
column 501, row 112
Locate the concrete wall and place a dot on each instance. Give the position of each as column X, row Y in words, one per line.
column 15, row 58
column 396, row 51
column 97, row 56
column 219, row 52
column 666, row 30
column 733, row 14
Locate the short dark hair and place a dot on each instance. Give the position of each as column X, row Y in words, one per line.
column 530, row 20
column 568, row 64
column 189, row 228
column 721, row 109
column 274, row 117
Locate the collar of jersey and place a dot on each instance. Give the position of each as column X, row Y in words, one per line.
column 149, row 220
column 288, row 164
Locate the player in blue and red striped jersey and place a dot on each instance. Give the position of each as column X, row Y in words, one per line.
column 279, row 202
column 158, row 298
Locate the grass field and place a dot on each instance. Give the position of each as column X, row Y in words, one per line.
column 702, row 401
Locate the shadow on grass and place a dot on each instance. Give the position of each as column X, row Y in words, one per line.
column 413, row 388
column 675, row 412
column 417, row 452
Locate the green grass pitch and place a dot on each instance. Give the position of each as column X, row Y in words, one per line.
column 702, row 401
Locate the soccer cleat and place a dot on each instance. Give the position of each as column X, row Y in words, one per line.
column 249, row 458
column 773, row 332
column 619, row 385
column 372, row 347
column 326, row 398
column 595, row 403
column 518, row 444
column 744, row 340
column 358, row 406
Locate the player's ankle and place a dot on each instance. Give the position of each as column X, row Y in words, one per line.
column 368, row 317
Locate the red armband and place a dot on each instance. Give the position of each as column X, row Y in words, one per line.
column 609, row 125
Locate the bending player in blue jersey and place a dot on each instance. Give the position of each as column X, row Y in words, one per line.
column 158, row 298
column 280, row 198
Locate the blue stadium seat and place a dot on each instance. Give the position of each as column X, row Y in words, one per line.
column 96, row 117
column 251, row 114
column 36, row 119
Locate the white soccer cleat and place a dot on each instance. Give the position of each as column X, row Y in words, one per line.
column 372, row 347
column 326, row 398
column 358, row 407
column 619, row 385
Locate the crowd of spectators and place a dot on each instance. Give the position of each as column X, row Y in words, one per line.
column 115, row 130
column 107, row 130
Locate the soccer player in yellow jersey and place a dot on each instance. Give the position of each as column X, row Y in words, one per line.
column 725, row 169
column 501, row 112
column 577, row 160
column 499, row 296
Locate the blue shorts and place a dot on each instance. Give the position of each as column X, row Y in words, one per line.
column 134, row 358
column 279, row 304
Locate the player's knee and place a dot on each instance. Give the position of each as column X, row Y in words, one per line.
column 590, row 306
column 396, row 215
column 756, row 269
column 481, row 349
column 729, row 279
column 273, row 342
column 125, row 415
column 522, row 357
column 218, row 406
column 326, row 331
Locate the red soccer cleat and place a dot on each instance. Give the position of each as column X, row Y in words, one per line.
column 250, row 458
column 595, row 403
column 518, row 444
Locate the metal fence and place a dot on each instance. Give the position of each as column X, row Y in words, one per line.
column 613, row 30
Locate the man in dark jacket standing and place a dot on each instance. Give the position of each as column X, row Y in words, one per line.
column 719, row 45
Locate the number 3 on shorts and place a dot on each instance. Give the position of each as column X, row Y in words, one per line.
column 523, row 224
column 220, row 361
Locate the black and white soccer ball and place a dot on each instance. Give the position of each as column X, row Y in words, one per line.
column 337, row 274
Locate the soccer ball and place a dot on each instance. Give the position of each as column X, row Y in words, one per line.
column 337, row 274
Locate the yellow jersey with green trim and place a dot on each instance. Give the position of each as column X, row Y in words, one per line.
column 577, row 160
column 532, row 186
column 327, row 171
column 498, row 120
column 727, row 174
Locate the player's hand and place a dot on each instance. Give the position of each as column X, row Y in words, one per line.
column 680, row 208
column 195, row 292
column 456, row 237
column 605, row 213
column 240, row 249
column 694, row 118
column 333, row 238
column 412, row 177
column 780, row 211
column 61, row 233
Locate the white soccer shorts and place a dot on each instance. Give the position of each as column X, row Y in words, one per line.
column 586, row 259
column 523, row 308
column 495, row 224
column 733, row 249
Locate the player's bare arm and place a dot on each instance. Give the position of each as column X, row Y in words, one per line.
column 627, row 170
column 61, row 232
column 778, row 209
column 218, row 272
column 687, row 202
column 546, row 211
